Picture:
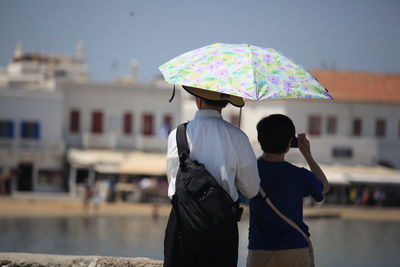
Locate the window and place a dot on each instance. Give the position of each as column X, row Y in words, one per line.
column 50, row 178
column 342, row 152
column 6, row 129
column 74, row 121
column 332, row 125
column 399, row 129
column 357, row 127
column 380, row 128
column 166, row 126
column 234, row 119
column 60, row 73
column 128, row 122
column 30, row 130
column 314, row 125
column 148, row 120
column 167, row 123
column 97, row 122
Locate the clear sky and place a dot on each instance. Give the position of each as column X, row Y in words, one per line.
column 362, row 35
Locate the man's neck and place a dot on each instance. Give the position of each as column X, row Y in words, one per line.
column 211, row 108
column 202, row 105
column 274, row 157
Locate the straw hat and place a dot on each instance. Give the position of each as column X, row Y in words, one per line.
column 211, row 95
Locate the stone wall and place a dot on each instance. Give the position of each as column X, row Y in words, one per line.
column 44, row 260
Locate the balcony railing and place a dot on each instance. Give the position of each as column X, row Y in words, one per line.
column 113, row 141
column 40, row 146
column 92, row 140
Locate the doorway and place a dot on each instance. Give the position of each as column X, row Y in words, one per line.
column 25, row 177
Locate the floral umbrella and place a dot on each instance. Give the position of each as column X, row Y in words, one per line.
column 243, row 70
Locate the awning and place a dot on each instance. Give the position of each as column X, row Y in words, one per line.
column 336, row 177
column 346, row 174
column 119, row 162
column 368, row 178
column 369, row 174
column 122, row 162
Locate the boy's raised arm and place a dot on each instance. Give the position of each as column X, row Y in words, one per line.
column 305, row 149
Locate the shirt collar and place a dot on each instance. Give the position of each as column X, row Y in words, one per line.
column 207, row 113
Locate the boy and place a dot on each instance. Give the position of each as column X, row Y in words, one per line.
column 272, row 241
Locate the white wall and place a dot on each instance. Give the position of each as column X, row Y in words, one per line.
column 35, row 105
column 254, row 111
column 114, row 101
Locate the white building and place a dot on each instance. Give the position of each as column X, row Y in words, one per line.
column 120, row 117
column 31, row 118
column 53, row 96
column 44, row 70
column 361, row 126
column 31, row 138
column 68, row 118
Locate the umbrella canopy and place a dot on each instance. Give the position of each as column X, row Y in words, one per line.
column 243, row 70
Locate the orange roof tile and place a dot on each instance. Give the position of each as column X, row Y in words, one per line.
column 360, row 86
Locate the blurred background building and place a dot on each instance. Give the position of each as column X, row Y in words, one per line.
column 59, row 130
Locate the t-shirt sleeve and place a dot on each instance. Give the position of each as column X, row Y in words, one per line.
column 314, row 186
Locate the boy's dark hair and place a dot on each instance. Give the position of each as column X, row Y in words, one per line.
column 274, row 133
column 216, row 103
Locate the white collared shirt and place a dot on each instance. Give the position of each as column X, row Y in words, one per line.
column 224, row 150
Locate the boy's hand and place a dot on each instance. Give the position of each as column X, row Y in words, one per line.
column 304, row 145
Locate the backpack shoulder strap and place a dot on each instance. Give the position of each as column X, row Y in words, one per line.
column 290, row 222
column 182, row 143
column 268, row 201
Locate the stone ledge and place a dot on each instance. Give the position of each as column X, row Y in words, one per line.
column 46, row 260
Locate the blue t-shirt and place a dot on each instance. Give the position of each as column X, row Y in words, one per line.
column 267, row 230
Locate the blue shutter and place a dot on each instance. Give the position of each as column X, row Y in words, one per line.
column 10, row 129
column 36, row 133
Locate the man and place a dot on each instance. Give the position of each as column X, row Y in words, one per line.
column 227, row 154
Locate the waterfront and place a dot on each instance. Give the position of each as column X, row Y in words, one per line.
column 337, row 242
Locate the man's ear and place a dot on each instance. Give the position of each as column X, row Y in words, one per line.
column 198, row 102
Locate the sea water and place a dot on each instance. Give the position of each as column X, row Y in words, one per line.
column 337, row 242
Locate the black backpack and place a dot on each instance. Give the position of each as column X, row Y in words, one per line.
column 206, row 212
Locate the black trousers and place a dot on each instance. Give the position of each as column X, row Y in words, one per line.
column 176, row 254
